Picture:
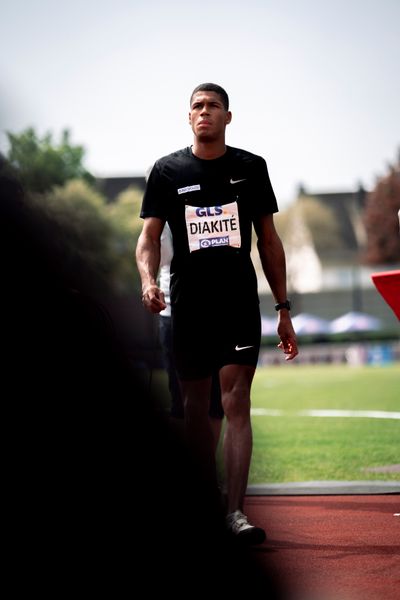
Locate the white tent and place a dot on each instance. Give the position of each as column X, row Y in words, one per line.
column 307, row 324
column 268, row 326
column 355, row 321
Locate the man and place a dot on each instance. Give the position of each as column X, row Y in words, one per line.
column 216, row 412
column 211, row 195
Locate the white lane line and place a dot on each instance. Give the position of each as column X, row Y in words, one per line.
column 267, row 412
column 368, row 414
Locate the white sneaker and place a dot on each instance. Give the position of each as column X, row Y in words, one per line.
column 240, row 528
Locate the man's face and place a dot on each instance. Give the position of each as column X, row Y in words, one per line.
column 208, row 117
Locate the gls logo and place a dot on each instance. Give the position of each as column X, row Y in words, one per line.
column 209, row 211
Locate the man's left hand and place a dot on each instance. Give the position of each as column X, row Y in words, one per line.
column 287, row 334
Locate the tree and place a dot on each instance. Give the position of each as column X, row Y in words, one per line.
column 92, row 236
column 43, row 164
column 80, row 236
column 124, row 216
column 381, row 219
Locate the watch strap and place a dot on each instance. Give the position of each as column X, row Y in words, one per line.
column 281, row 305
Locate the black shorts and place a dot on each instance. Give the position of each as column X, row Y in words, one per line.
column 206, row 340
column 177, row 410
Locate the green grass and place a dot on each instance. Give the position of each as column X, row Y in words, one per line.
column 293, row 448
column 296, row 387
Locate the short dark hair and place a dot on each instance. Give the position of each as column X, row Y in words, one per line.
column 212, row 87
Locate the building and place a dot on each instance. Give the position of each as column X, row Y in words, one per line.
column 324, row 238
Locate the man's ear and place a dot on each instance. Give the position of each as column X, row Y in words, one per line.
column 190, row 118
column 228, row 117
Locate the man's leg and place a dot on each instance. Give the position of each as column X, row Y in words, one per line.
column 216, row 411
column 238, row 442
column 198, row 432
column 236, row 383
column 165, row 333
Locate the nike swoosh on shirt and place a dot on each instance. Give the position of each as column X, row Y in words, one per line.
column 238, row 348
column 236, row 180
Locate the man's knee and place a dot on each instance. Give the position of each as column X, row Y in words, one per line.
column 236, row 402
column 235, row 386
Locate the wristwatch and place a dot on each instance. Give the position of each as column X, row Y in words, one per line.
column 287, row 304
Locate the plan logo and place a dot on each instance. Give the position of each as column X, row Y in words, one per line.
column 212, row 242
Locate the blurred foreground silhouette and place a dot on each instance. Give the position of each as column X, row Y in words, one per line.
column 103, row 497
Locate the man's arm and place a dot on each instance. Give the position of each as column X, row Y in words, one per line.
column 148, row 262
column 273, row 261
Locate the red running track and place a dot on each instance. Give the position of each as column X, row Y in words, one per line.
column 331, row 547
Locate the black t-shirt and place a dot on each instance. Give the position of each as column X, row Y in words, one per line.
column 210, row 206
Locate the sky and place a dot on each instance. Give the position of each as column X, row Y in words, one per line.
column 314, row 85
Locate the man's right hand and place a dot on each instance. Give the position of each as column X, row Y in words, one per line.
column 153, row 299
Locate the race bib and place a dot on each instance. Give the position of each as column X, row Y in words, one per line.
column 212, row 226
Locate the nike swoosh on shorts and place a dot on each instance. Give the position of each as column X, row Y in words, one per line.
column 236, row 180
column 238, row 348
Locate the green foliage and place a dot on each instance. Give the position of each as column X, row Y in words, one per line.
column 81, row 228
column 93, row 235
column 123, row 215
column 42, row 163
column 90, row 234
